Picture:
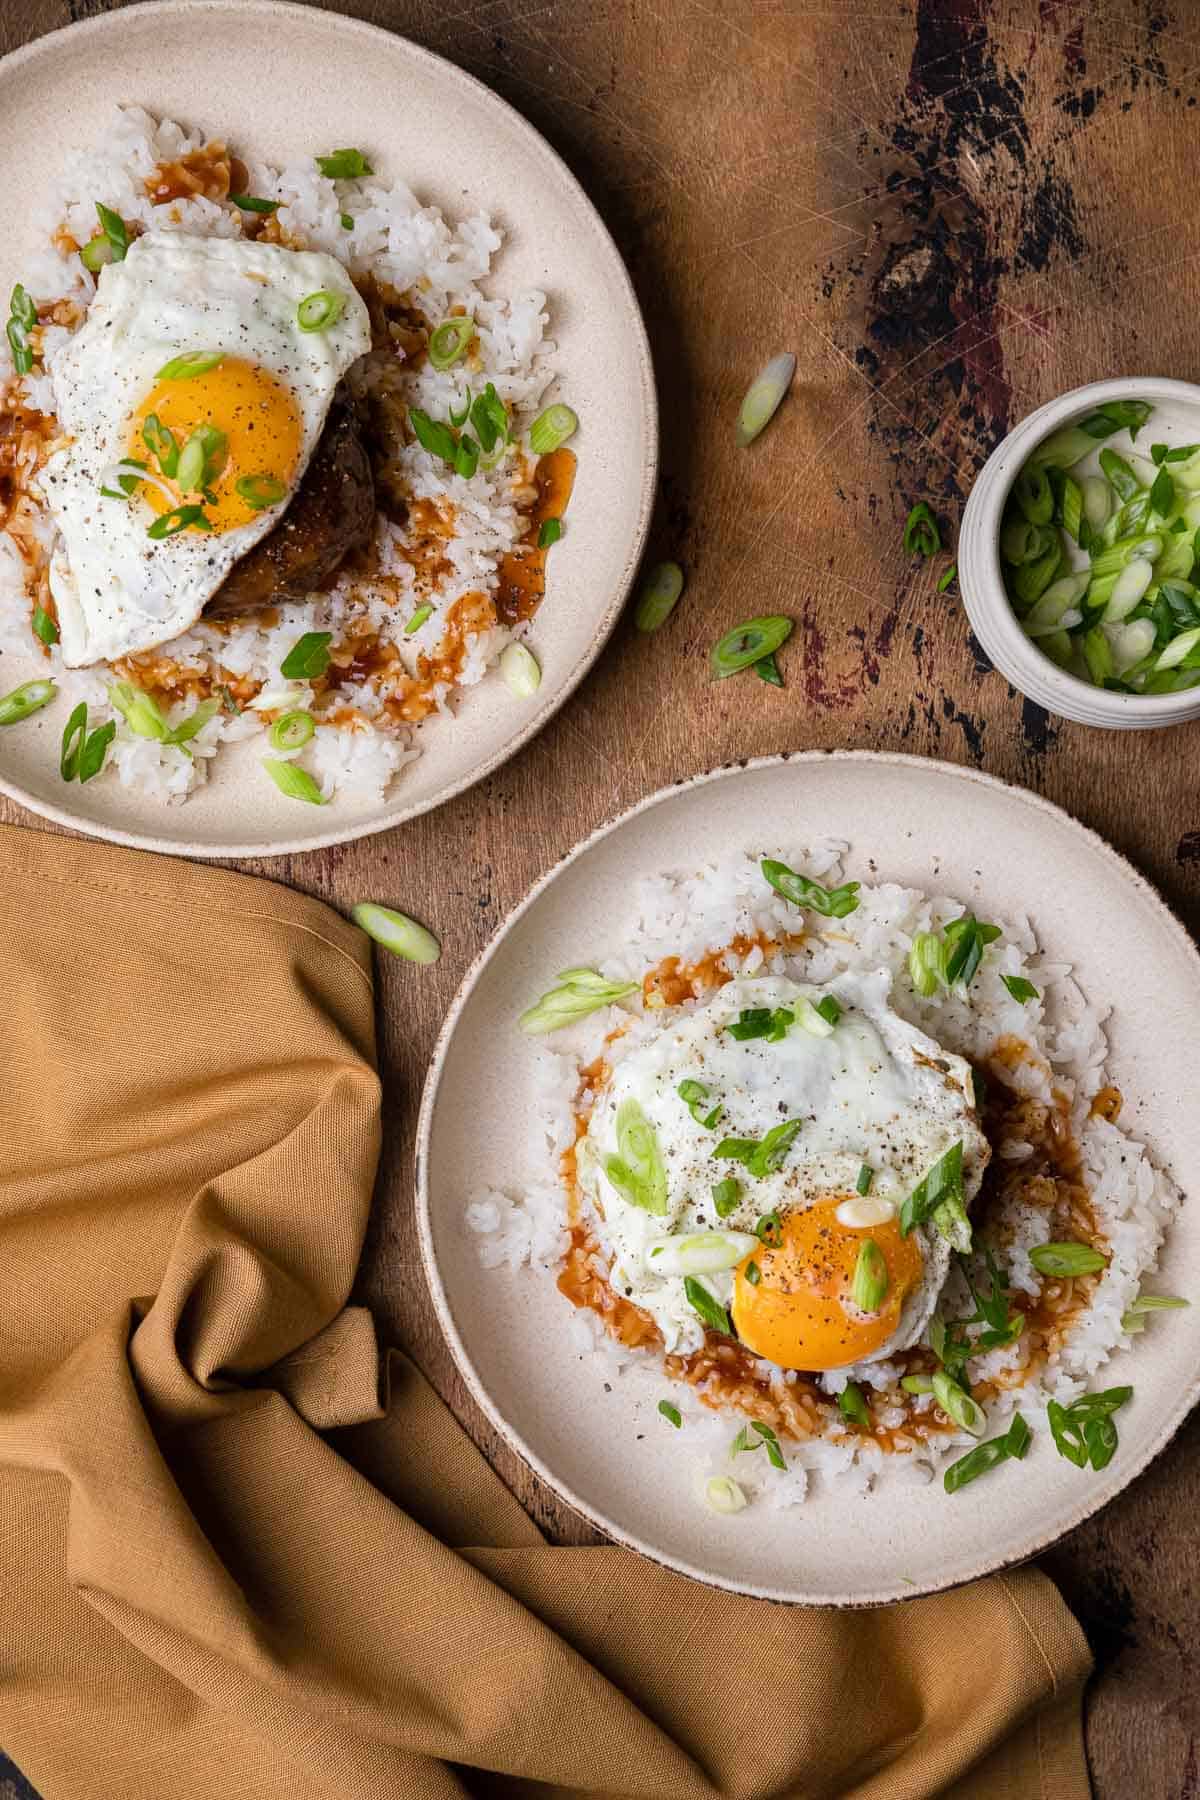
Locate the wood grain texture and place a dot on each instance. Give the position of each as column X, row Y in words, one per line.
column 950, row 210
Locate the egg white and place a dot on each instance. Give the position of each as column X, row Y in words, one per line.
column 877, row 1090
column 117, row 590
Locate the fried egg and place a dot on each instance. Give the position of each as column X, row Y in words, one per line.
column 253, row 394
column 872, row 1091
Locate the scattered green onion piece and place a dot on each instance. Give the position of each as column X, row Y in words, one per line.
column 549, row 533
column 1146, row 1303
column 942, row 1186
column 917, row 1384
column 723, row 1495
column 1120, row 476
column 82, row 753
column 18, row 343
column 638, row 1172
column 870, row 1284
column 319, row 310
column 190, row 363
column 1067, row 1260
column 521, row 672
column 921, row 534
column 770, row 1443
column 1020, row 989
column 114, row 229
column 767, row 669
column 463, row 414
column 831, row 903
column 291, row 731
column 344, row 165
column 769, row 1230
column 140, row 711
column 749, row 643
column 579, row 992
column 433, row 436
column 700, row 1253
column 830, row 1009
column 958, row 1405
column 853, row 1406
column 308, row 657
column 179, row 518
column 925, row 963
column 450, row 341
column 725, row 1196
column 753, row 1273
column 252, row 203
column 950, row 575
column 659, row 593
column 489, row 416
column 811, row 1018
column 74, row 733
column 551, row 429
column 44, row 626
column 764, row 397
column 670, row 1413
column 293, row 781
column 160, row 442
column 418, row 619
column 347, row 221
column 259, row 491
column 96, row 254
column 396, row 932
column 866, row 1176
column 708, row 1309
column 466, row 457
column 25, row 700
column 202, row 458
column 1011, row 1447
column 696, row 1096
column 22, row 307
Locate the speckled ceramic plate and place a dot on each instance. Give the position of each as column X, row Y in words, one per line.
column 607, row 1453
column 283, row 80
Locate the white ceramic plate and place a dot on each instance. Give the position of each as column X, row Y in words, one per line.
column 286, row 81
column 608, row 1454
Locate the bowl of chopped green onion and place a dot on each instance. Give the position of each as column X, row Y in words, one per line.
column 1079, row 554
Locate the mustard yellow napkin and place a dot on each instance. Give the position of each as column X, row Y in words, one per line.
column 226, row 1571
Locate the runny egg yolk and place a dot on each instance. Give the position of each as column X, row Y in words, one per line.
column 260, row 422
column 800, row 1314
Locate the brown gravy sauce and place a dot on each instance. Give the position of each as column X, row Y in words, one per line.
column 522, row 585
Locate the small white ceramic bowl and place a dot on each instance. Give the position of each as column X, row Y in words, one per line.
column 982, row 584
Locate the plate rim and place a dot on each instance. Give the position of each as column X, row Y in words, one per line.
column 164, row 12
column 1173, row 1419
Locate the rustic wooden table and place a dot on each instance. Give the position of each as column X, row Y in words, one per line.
column 950, row 210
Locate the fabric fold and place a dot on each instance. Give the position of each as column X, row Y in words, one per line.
column 239, row 1556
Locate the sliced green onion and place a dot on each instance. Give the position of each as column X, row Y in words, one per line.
column 917, row 1384
column 1162, row 494
column 767, row 669
column 319, row 310
column 202, row 458
column 418, row 619
column 958, row 1405
column 761, row 1156
column 1011, row 1447
column 252, row 203
column 259, row 491
column 725, row 1196
column 18, row 342
column 852, row 1404
column 551, row 429
column 707, row 1308
column 463, row 414
column 829, row 1009
column 344, row 165
column 696, row 1096
column 700, row 1253
column 308, row 657
column 347, row 221
column 831, row 903
column 1019, row 988
column 450, row 342
column 925, row 963
column 764, row 397
column 944, row 1181
column 25, row 700
column 866, row 1176
column 140, row 711
column 1146, row 1303
column 22, row 307
column 44, row 626
column 179, row 518
column 1067, row 1260
column 466, row 458
column 1178, row 649
column 950, row 575
column 1034, row 495
column 1072, row 507
column 579, row 992
column 753, row 1274
column 769, row 1230
column 160, row 442
column 549, row 533
column 658, row 596
column 83, row 754
column 190, row 363
column 291, row 732
column 396, row 932
column 921, row 534
column 670, row 1413
column 723, row 1495
column 870, row 1284
column 521, row 672
column 293, row 781
column 96, row 254
column 812, row 1019
column 749, row 643
column 113, row 227
column 432, row 435
column 489, row 416
column 642, row 1178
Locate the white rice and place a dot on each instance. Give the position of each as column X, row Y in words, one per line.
column 441, row 266
column 690, row 915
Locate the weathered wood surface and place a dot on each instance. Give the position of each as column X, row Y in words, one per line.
column 951, row 210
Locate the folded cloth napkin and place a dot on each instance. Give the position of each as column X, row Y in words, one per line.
column 235, row 1559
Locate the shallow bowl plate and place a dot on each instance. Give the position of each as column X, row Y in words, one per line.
column 608, row 1454
column 285, row 81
